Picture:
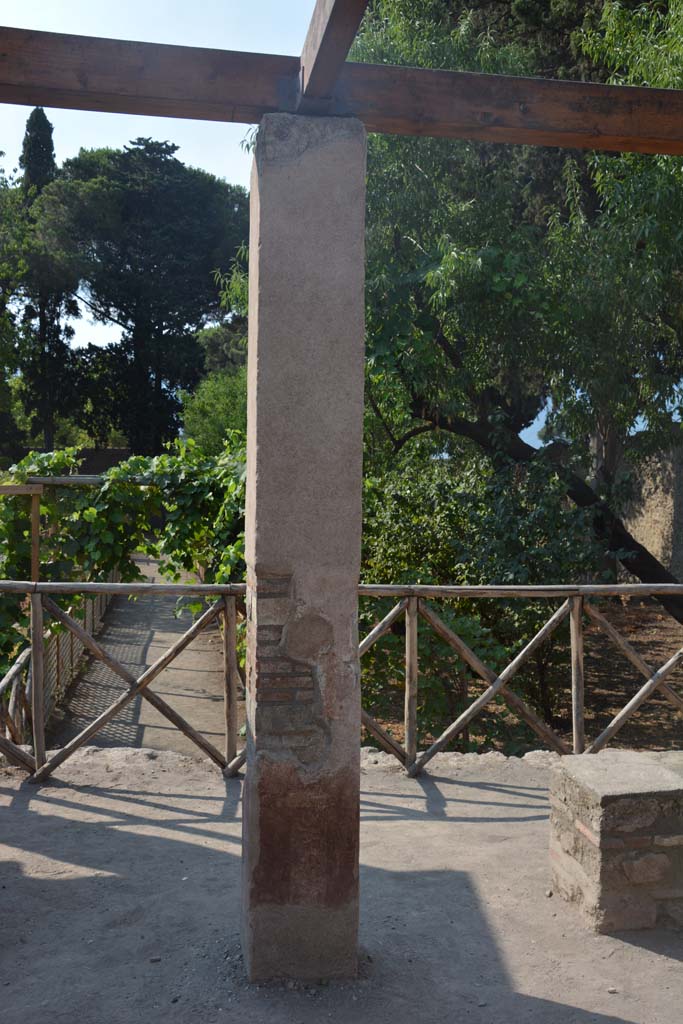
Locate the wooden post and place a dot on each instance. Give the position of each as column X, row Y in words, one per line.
column 35, row 537
column 37, row 679
column 576, row 634
column 410, row 720
column 230, row 675
column 58, row 645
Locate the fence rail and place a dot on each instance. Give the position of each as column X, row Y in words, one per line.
column 413, row 604
column 62, row 660
column 426, row 591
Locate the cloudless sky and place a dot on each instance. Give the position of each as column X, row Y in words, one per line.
column 265, row 26
column 262, row 26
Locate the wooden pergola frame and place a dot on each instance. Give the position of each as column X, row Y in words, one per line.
column 87, row 73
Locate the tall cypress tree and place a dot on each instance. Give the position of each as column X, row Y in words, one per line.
column 37, row 159
column 47, row 385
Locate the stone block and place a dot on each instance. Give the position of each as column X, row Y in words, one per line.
column 616, row 845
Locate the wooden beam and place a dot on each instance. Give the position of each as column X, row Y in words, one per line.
column 176, row 81
column 487, row 696
column 120, row 670
column 330, row 35
column 382, row 627
column 16, row 756
column 520, row 707
column 13, row 490
column 503, row 108
column 85, row 73
column 125, row 698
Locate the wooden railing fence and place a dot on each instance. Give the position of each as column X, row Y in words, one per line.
column 43, row 604
column 576, row 605
column 414, row 603
column 62, row 662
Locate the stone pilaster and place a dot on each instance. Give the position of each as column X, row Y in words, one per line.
column 303, row 527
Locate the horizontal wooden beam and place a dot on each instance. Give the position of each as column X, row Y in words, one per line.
column 176, row 81
column 86, row 73
column 333, row 28
column 503, row 108
column 12, row 490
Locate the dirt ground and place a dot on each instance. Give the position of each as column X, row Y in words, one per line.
column 120, row 904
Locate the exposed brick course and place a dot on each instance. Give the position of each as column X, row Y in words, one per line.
column 302, row 548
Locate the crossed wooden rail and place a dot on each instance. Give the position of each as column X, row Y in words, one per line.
column 412, row 603
column 575, row 605
column 38, row 764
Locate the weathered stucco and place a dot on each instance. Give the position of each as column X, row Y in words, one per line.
column 303, row 527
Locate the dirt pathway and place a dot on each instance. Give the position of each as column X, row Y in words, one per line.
column 120, row 891
column 137, row 633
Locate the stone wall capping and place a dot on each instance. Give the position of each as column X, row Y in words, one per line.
column 616, row 846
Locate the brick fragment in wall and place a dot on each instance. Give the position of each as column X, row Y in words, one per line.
column 270, row 611
column 674, row 840
column 269, row 635
column 272, row 586
column 291, row 681
column 286, row 696
column 280, row 665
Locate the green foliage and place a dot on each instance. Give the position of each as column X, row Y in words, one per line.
column 200, row 499
column 37, row 159
column 15, row 542
column 182, row 507
column 218, row 406
column 42, row 340
column 470, row 524
column 224, row 345
column 144, row 235
column 640, row 43
column 508, row 282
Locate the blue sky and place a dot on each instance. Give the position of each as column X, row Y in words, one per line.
column 267, row 26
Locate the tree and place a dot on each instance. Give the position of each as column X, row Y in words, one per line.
column 477, row 321
column 43, row 340
column 12, row 228
column 145, row 235
column 218, row 406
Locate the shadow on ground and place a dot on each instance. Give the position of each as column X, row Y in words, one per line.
column 120, row 879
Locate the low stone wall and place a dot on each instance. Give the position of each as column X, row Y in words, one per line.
column 616, row 843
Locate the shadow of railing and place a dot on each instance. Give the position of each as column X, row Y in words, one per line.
column 125, row 900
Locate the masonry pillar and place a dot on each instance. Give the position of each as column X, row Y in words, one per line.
column 303, row 530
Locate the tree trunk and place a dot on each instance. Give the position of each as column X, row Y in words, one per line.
column 48, row 411
column 608, row 527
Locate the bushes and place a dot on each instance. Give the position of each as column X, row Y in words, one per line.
column 182, row 507
column 469, row 524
